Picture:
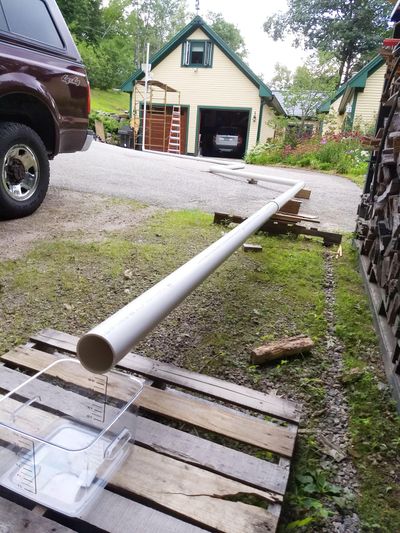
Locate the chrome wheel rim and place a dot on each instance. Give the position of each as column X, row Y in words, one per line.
column 20, row 173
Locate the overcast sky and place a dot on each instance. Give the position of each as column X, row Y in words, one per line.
column 249, row 16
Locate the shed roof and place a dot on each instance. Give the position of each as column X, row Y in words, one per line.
column 295, row 110
column 182, row 35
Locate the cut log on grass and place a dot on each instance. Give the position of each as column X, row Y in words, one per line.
column 282, row 348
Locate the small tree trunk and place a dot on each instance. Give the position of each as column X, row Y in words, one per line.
column 341, row 69
column 347, row 71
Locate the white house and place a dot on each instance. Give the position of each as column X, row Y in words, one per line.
column 213, row 87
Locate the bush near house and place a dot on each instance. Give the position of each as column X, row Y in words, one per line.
column 341, row 153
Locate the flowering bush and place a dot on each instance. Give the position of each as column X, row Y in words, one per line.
column 343, row 153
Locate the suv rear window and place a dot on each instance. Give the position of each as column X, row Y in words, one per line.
column 32, row 20
column 227, row 131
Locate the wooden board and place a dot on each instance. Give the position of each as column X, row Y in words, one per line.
column 173, row 481
column 229, row 423
column 173, row 375
column 166, row 440
column 17, row 519
column 116, row 514
column 279, row 228
column 99, row 127
column 292, row 206
column 304, row 193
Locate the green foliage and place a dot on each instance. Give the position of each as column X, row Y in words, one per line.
column 109, row 63
column 229, row 32
column 110, row 123
column 352, row 31
column 339, row 153
column 112, row 38
column 83, row 18
column 311, row 494
column 300, row 523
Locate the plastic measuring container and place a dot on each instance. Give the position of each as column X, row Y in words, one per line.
column 62, row 461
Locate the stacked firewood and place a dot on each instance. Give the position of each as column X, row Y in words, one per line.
column 378, row 227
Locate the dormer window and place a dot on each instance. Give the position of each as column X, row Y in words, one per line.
column 197, row 54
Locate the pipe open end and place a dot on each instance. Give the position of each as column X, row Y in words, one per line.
column 95, row 354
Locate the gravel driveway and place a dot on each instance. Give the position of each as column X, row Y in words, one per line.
column 186, row 184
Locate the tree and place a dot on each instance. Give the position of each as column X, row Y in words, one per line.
column 83, row 18
column 109, row 63
column 282, row 79
column 351, row 29
column 307, row 87
column 155, row 22
column 228, row 32
column 121, row 38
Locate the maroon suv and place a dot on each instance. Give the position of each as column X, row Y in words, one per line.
column 44, row 101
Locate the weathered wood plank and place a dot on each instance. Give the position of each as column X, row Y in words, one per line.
column 17, row 519
column 277, row 228
column 292, row 207
column 197, row 494
column 116, row 514
column 216, row 388
column 166, row 440
column 304, row 193
column 182, row 407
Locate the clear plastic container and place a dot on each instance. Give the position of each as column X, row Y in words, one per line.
column 63, row 460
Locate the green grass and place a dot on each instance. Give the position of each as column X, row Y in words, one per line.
column 110, row 101
column 358, row 179
column 374, row 422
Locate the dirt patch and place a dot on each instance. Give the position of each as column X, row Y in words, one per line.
column 74, row 215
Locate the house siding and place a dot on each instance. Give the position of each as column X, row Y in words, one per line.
column 367, row 105
column 266, row 131
column 223, row 85
column 368, row 101
column 334, row 122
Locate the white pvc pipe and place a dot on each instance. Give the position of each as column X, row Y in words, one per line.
column 105, row 345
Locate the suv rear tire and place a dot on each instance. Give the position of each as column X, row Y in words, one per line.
column 24, row 170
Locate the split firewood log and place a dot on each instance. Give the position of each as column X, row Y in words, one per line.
column 282, row 348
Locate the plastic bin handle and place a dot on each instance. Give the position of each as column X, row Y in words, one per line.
column 24, row 405
column 118, row 444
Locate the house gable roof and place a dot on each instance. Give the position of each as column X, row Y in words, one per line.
column 358, row 81
column 182, row 35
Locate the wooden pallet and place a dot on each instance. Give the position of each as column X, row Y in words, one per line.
column 175, row 481
column 284, row 224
